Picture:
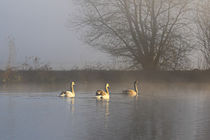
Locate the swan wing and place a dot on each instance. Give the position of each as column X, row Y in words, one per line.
column 100, row 92
column 69, row 94
column 62, row 94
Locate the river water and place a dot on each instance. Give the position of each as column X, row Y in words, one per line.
column 177, row 114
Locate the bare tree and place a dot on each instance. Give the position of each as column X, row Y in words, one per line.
column 203, row 24
column 149, row 33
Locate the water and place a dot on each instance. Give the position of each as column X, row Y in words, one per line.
column 183, row 115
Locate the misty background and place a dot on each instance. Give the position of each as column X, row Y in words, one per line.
column 41, row 29
column 45, row 30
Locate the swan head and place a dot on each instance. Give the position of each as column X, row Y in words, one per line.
column 136, row 82
column 73, row 83
column 107, row 85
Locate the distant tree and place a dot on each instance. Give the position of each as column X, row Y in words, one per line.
column 203, row 24
column 148, row 33
column 34, row 63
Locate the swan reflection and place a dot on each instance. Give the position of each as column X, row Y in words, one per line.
column 104, row 104
column 71, row 103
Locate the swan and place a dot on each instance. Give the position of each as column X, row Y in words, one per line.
column 68, row 93
column 132, row 92
column 101, row 94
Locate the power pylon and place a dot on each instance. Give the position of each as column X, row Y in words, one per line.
column 12, row 52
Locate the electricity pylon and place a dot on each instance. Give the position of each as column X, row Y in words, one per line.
column 12, row 52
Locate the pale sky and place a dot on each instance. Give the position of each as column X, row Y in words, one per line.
column 40, row 29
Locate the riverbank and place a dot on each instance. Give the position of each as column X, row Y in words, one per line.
column 84, row 76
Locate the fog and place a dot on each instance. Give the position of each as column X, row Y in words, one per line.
column 169, row 101
column 40, row 29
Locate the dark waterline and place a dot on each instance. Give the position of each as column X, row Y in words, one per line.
column 183, row 115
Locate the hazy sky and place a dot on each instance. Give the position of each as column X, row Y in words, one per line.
column 40, row 29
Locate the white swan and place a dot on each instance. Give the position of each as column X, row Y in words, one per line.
column 68, row 93
column 132, row 92
column 101, row 94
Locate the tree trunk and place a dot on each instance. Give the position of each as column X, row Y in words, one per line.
column 149, row 64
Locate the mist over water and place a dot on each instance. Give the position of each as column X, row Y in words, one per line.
column 162, row 111
column 162, row 46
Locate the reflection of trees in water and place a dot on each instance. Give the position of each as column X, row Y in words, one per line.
column 203, row 120
column 150, row 121
column 98, row 125
column 150, row 118
column 164, row 119
column 11, row 107
column 132, row 119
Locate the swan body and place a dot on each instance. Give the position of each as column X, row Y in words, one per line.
column 101, row 94
column 68, row 93
column 132, row 92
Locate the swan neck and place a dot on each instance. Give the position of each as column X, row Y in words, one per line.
column 136, row 88
column 107, row 90
column 72, row 88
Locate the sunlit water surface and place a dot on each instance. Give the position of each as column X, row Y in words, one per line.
column 44, row 116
